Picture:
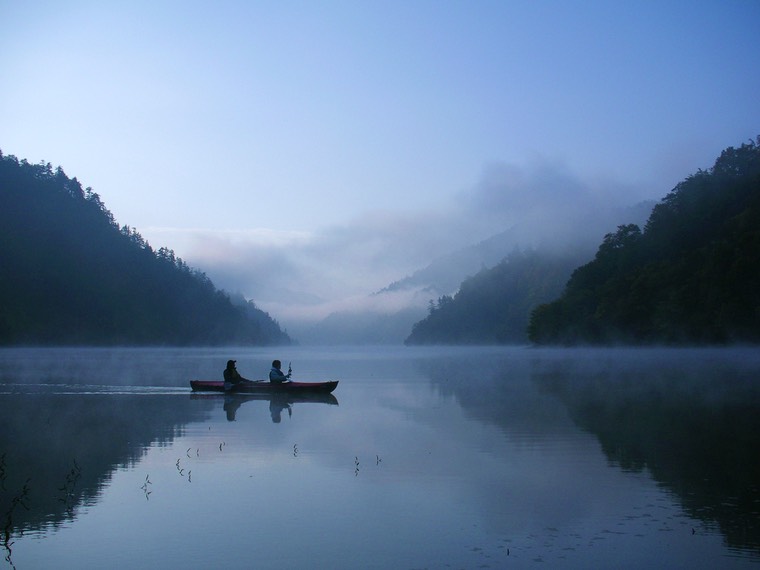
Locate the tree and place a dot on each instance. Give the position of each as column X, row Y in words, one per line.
column 72, row 275
column 493, row 306
column 690, row 277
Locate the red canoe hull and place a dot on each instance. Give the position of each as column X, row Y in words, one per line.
column 264, row 387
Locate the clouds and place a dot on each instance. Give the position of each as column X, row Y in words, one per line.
column 544, row 200
column 513, row 193
column 338, row 262
column 305, row 276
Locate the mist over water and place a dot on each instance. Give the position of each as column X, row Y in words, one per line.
column 427, row 457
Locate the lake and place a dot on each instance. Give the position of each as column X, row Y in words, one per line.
column 495, row 457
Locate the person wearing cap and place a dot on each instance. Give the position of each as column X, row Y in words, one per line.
column 276, row 375
column 231, row 376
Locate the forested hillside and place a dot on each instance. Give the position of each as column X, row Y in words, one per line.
column 70, row 275
column 494, row 306
column 691, row 276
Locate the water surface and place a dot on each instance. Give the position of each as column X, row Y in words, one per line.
column 425, row 458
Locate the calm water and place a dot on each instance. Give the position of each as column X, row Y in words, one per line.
column 425, row 458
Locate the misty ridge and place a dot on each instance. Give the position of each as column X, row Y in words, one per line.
column 690, row 277
column 527, row 271
column 72, row 276
column 370, row 278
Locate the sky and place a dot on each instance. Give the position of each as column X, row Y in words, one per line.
column 306, row 154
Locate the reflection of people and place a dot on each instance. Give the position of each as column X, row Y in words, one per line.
column 277, row 403
column 276, row 374
column 231, row 403
column 275, row 409
column 231, row 376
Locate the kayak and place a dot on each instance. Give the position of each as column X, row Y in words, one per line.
column 265, row 387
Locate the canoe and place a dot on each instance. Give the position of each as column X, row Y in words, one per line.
column 271, row 397
column 265, row 387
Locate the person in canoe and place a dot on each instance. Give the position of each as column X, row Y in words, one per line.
column 231, row 376
column 276, row 374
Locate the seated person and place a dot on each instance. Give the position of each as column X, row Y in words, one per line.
column 231, row 376
column 276, row 375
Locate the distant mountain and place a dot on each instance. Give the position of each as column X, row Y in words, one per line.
column 691, row 276
column 445, row 274
column 569, row 245
column 70, row 275
column 362, row 327
column 494, row 306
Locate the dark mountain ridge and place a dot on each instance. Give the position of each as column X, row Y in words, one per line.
column 70, row 275
column 690, row 277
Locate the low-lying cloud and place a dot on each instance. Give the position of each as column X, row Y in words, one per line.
column 303, row 277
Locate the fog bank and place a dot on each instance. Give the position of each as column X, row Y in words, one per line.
column 301, row 278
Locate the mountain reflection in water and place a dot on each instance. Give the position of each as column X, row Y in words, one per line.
column 689, row 418
column 697, row 432
column 44, row 437
column 434, row 457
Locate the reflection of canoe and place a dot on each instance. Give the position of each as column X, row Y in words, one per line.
column 276, row 397
column 264, row 387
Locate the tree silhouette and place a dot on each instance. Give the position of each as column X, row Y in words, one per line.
column 71, row 275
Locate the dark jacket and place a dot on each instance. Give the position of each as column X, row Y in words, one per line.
column 232, row 376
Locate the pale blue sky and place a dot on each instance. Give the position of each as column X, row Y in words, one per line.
column 285, row 120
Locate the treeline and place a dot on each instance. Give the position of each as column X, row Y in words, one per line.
column 494, row 306
column 690, row 277
column 71, row 275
